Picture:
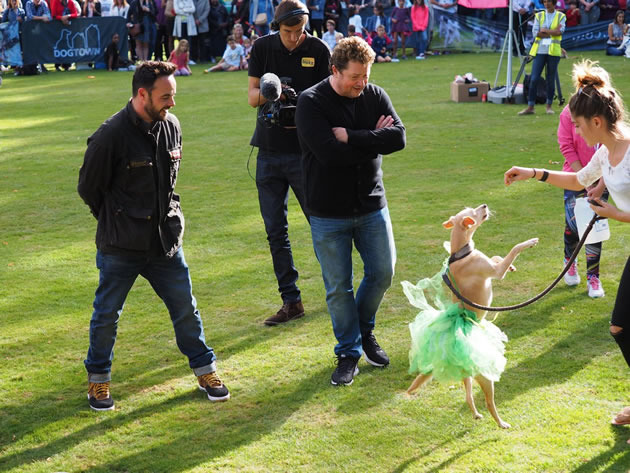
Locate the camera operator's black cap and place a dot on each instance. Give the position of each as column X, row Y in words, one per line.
column 275, row 24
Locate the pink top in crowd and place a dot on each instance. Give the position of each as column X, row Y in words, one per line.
column 180, row 61
column 572, row 146
column 419, row 18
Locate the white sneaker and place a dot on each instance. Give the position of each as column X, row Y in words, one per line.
column 572, row 278
column 395, row 59
column 191, row 62
column 595, row 288
column 419, row 58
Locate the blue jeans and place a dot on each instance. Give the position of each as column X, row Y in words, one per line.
column 589, row 17
column 170, row 280
column 372, row 235
column 420, row 41
column 615, row 51
column 275, row 173
column 537, row 67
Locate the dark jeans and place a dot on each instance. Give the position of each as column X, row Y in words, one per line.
column 621, row 313
column 198, row 47
column 317, row 26
column 170, row 280
column 275, row 173
column 614, row 51
column 162, row 49
column 540, row 61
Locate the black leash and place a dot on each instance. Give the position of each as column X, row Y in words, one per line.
column 448, row 282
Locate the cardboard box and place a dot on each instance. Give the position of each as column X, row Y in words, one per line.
column 461, row 92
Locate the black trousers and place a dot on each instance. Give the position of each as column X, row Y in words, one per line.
column 621, row 313
column 520, row 28
column 162, row 49
column 198, row 47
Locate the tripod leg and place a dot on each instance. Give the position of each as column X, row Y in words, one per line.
column 559, row 89
column 505, row 42
column 520, row 73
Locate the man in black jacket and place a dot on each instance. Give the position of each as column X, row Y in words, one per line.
column 345, row 125
column 128, row 179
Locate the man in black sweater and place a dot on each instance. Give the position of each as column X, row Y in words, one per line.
column 345, row 125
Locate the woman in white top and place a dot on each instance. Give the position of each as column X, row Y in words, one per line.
column 599, row 116
column 119, row 8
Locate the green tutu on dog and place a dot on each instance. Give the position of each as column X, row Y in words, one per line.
column 449, row 341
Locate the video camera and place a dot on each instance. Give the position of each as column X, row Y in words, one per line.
column 281, row 102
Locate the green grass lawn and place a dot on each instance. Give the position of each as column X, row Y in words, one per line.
column 564, row 380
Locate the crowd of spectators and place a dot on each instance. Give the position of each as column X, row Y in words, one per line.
column 156, row 26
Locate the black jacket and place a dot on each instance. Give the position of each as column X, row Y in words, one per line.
column 128, row 179
column 345, row 179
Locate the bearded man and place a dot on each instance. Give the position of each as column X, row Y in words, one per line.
column 128, row 179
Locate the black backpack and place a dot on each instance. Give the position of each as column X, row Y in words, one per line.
column 541, row 89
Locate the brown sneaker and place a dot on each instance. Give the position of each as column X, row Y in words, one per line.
column 99, row 397
column 212, row 385
column 289, row 311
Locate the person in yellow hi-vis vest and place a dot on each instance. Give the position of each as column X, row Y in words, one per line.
column 546, row 50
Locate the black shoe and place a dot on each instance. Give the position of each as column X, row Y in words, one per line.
column 212, row 385
column 346, row 370
column 99, row 397
column 374, row 354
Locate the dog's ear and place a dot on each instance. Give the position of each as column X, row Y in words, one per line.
column 450, row 223
column 468, row 222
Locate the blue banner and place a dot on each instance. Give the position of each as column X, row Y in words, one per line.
column 468, row 33
column 83, row 40
column 465, row 33
column 10, row 52
column 587, row 37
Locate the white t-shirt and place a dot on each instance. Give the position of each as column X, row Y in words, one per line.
column 119, row 11
column 233, row 56
column 357, row 22
column 617, row 179
column 106, row 6
column 452, row 9
column 330, row 39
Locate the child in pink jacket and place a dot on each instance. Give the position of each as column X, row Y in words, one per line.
column 577, row 154
column 419, row 24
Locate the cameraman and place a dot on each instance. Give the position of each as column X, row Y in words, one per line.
column 294, row 54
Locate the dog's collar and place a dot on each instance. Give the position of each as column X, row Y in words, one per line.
column 462, row 252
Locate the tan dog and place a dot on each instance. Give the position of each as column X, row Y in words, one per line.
column 473, row 274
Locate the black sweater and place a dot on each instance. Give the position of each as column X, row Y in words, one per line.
column 345, row 180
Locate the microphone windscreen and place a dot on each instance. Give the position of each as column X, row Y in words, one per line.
column 270, row 87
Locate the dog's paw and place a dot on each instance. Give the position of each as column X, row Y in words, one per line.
column 512, row 268
column 504, row 425
column 530, row 243
column 477, row 416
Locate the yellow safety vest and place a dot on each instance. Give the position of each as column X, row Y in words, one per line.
column 554, row 48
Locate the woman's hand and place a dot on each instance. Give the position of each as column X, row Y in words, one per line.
column 596, row 191
column 516, row 173
column 604, row 209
